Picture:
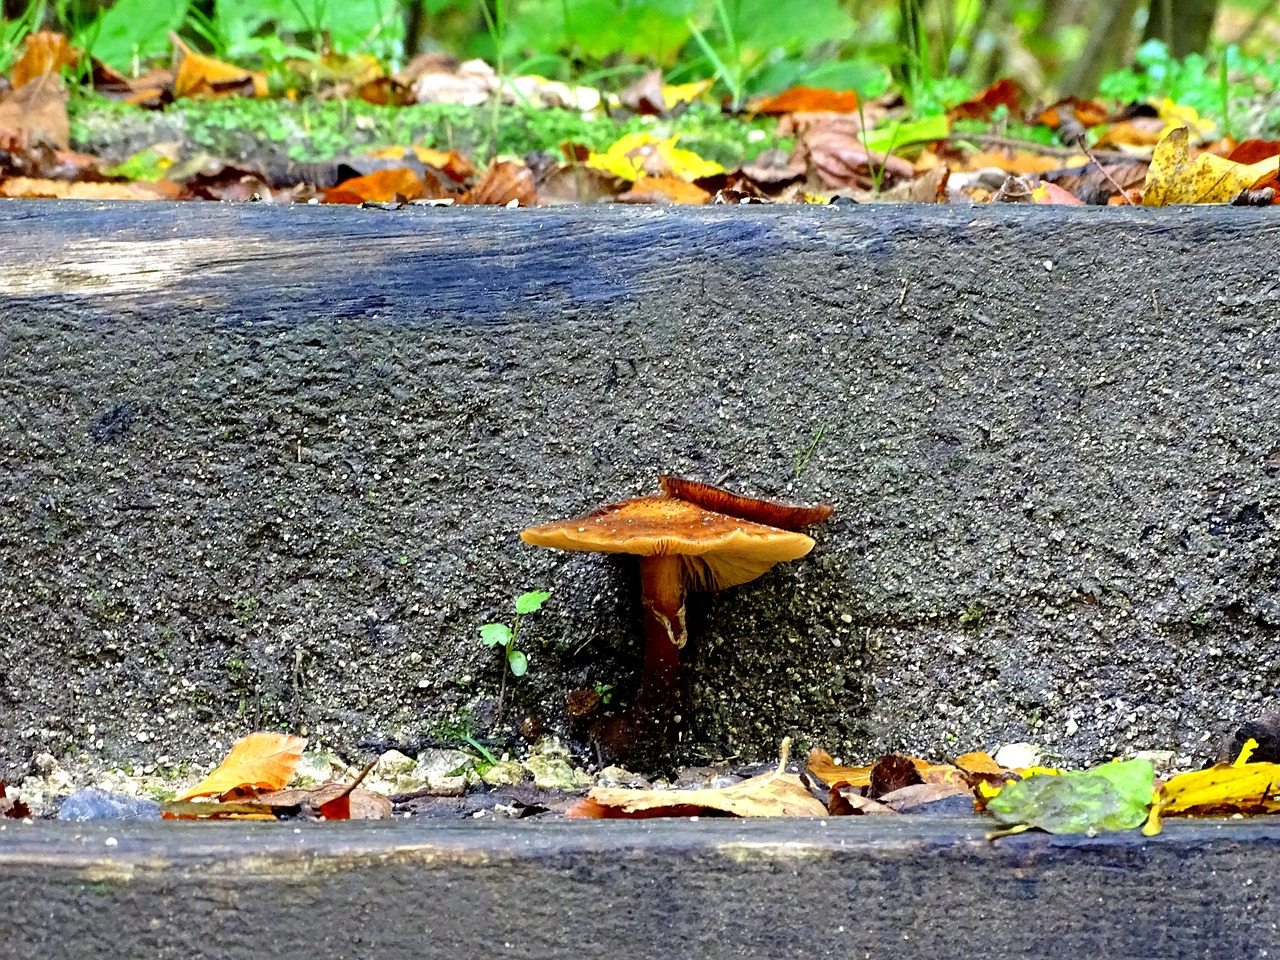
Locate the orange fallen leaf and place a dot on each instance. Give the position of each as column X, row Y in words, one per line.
column 256, row 763
column 649, row 189
column 809, row 100
column 1252, row 151
column 1088, row 113
column 198, row 76
column 979, row 762
column 1002, row 93
column 774, row 794
column 382, row 186
column 1019, row 163
column 42, row 52
column 1051, row 193
column 451, row 163
column 829, row 772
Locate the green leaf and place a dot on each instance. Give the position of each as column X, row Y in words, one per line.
column 531, row 602
column 895, row 134
column 518, row 661
column 1114, row 796
column 492, row 634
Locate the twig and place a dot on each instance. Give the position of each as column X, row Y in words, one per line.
column 1110, row 179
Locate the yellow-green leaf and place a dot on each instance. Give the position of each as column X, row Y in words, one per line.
column 643, row 153
column 1177, row 177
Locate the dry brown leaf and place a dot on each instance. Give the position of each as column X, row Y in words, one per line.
column 834, row 146
column 1087, row 113
column 846, row 800
column 919, row 794
column 773, row 794
column 35, row 114
column 809, row 100
column 31, row 188
column 42, row 52
column 257, row 763
column 893, row 772
column 645, row 96
column 198, row 76
column 332, row 801
column 505, row 181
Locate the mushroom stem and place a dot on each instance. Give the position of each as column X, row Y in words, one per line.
column 662, row 592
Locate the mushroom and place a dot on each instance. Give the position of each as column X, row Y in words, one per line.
column 694, row 537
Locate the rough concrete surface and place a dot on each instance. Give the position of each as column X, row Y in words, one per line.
column 871, row 888
column 266, row 466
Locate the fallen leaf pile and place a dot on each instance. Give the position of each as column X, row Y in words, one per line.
column 249, row 784
column 1083, row 152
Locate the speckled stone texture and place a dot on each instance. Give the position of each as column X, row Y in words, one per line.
column 267, row 466
column 874, row 888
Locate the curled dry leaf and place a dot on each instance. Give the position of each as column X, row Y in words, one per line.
column 504, row 182
column 257, row 763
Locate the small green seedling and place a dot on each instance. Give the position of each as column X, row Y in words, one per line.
column 504, row 635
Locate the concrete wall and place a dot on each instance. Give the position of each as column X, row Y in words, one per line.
column 264, row 467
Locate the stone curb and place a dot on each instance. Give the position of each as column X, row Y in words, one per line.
column 704, row 890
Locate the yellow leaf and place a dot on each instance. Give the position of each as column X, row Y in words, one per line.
column 1176, row 115
column 676, row 93
column 643, row 153
column 1176, row 177
column 258, row 762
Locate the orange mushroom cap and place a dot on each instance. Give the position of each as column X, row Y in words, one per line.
column 718, row 550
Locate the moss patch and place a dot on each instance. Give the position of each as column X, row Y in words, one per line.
column 317, row 131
